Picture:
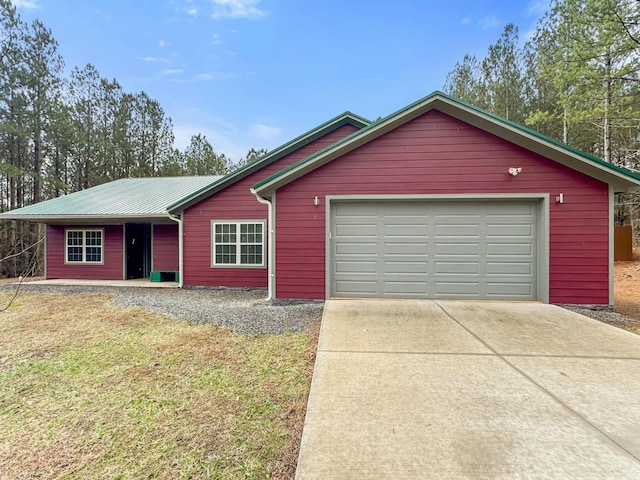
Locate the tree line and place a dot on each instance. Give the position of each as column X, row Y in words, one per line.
column 63, row 133
column 576, row 79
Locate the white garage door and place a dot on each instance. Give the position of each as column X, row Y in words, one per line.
column 453, row 249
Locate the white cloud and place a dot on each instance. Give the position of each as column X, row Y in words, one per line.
column 264, row 132
column 490, row 21
column 221, row 136
column 236, row 9
column 466, row 21
column 211, row 76
column 192, row 12
column 150, row 59
column 162, row 43
column 26, row 4
column 172, row 71
column 204, row 77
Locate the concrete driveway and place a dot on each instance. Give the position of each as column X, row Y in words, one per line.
column 474, row 390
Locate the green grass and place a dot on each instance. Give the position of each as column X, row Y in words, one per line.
column 89, row 390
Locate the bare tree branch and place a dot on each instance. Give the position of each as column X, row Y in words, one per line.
column 23, row 251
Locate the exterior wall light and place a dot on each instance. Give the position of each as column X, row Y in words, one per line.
column 316, row 201
column 515, row 171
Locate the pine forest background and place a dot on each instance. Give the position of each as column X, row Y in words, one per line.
column 576, row 79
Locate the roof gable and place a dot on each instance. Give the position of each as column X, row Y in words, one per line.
column 620, row 178
column 346, row 118
column 124, row 198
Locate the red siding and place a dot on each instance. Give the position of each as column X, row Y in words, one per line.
column 437, row 154
column 165, row 247
column 111, row 269
column 235, row 203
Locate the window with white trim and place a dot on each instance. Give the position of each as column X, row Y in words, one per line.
column 83, row 246
column 237, row 244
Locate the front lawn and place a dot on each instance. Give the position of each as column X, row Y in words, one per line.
column 89, row 390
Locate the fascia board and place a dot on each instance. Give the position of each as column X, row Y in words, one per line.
column 75, row 219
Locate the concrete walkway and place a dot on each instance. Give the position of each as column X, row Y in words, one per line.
column 134, row 283
column 476, row 390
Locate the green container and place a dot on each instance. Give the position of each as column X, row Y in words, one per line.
column 164, row 276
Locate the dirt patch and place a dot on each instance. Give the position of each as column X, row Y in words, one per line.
column 627, row 291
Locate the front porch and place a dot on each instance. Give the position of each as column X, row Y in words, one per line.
column 135, row 283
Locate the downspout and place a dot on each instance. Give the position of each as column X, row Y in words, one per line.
column 178, row 220
column 271, row 244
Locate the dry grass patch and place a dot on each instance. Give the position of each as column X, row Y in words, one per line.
column 89, row 390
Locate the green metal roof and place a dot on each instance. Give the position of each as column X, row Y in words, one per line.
column 619, row 177
column 128, row 197
column 347, row 118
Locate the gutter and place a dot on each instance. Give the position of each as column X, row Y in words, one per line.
column 178, row 220
column 270, row 247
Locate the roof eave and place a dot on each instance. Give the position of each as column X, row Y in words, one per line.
column 80, row 219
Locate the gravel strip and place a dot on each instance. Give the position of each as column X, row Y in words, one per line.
column 242, row 310
column 603, row 315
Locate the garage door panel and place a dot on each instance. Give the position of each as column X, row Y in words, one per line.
column 406, row 267
column 404, row 209
column 470, row 248
column 455, row 231
column 356, row 248
column 362, row 266
column 511, row 289
column 509, row 230
column 510, row 248
column 438, row 249
column 358, row 288
column 500, row 268
column 512, row 208
column 355, row 230
column 356, row 209
column 457, row 268
column 405, row 289
column 450, row 209
column 403, row 248
column 406, row 231
column 456, row 289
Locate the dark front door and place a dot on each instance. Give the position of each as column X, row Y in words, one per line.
column 138, row 249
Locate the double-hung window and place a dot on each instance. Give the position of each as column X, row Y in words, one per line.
column 84, row 246
column 237, row 243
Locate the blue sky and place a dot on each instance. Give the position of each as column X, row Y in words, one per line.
column 257, row 73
